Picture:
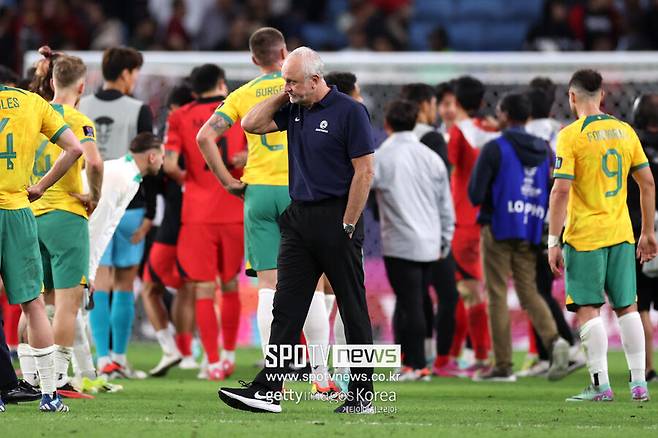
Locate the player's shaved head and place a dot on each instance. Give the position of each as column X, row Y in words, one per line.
column 587, row 83
column 265, row 45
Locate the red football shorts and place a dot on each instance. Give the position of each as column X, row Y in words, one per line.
column 206, row 251
column 466, row 251
column 161, row 266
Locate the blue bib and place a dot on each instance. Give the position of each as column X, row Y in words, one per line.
column 520, row 197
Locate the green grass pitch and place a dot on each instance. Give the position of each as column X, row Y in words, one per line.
column 182, row 406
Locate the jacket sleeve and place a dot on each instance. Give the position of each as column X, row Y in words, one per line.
column 446, row 210
column 485, row 170
column 105, row 218
column 145, row 119
column 151, row 186
column 437, row 143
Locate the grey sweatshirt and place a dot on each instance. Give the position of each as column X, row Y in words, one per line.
column 413, row 194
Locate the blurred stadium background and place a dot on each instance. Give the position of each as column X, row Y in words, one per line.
column 386, row 43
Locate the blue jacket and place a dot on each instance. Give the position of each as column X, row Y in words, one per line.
column 531, row 150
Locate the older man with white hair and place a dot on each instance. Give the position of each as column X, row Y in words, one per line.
column 330, row 159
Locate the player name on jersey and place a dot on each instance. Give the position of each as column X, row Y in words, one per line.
column 606, row 134
column 269, row 91
column 10, row 102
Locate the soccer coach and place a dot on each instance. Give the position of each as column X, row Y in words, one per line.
column 330, row 156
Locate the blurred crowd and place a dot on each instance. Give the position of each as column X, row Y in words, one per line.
column 595, row 25
column 377, row 25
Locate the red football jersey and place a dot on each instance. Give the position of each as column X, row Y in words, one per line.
column 204, row 198
column 462, row 157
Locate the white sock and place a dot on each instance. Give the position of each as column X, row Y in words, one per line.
column 62, row 359
column 121, row 359
column 595, row 343
column 167, row 342
column 45, row 359
column 632, row 339
column 339, row 330
column 28, row 364
column 82, row 361
column 264, row 315
column 103, row 361
column 316, row 331
column 329, row 300
column 228, row 355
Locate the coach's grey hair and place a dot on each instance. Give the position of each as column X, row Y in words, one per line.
column 312, row 64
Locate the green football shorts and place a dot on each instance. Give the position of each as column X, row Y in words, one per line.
column 263, row 205
column 64, row 246
column 589, row 275
column 20, row 262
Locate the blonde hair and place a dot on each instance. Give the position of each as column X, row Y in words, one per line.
column 66, row 70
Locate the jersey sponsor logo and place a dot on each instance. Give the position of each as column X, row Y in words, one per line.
column 528, row 188
column 526, row 208
column 88, row 131
column 297, row 119
column 323, row 127
column 558, row 162
column 104, row 125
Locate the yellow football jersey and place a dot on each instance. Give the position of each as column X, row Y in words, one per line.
column 23, row 115
column 598, row 153
column 57, row 197
column 267, row 160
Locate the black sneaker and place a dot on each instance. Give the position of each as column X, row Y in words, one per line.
column 355, row 407
column 651, row 376
column 21, row 393
column 251, row 397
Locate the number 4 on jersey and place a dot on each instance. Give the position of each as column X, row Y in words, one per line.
column 9, row 153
